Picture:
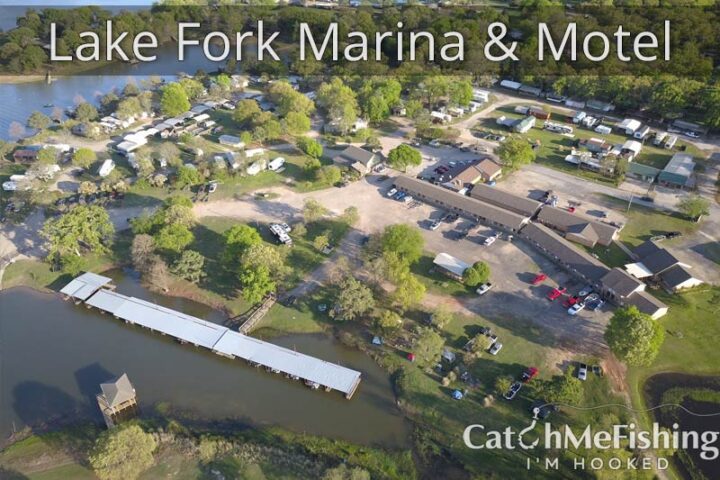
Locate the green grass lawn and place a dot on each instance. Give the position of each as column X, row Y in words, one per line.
column 612, row 255
column 436, row 282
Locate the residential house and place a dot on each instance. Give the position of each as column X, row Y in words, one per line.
column 357, row 158
column 596, row 145
column 231, row 141
column 658, row 264
column 26, row 155
column 450, row 266
column 524, row 125
column 629, row 126
column 678, row 173
column 484, row 171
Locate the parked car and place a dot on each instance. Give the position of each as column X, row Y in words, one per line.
column 391, row 192
column 556, row 293
column 529, row 374
column 514, row 389
column 434, row 225
column 539, row 278
column 571, row 301
column 495, row 348
column 575, row 309
column 212, row 187
column 489, row 241
column 671, row 235
column 484, row 288
column 594, row 304
column 582, row 372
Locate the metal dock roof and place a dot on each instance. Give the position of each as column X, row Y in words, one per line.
column 224, row 341
column 85, row 285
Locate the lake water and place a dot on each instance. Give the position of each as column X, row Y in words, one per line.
column 54, row 355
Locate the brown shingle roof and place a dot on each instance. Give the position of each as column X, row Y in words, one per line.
column 646, row 303
column 675, row 276
column 467, row 206
column 354, row 154
column 577, row 224
column 489, row 168
column 506, row 200
column 572, row 257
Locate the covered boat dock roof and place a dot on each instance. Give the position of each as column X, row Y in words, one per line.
column 85, row 285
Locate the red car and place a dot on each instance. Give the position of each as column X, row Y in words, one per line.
column 571, row 209
column 529, row 374
column 556, row 293
column 571, row 301
column 540, row 277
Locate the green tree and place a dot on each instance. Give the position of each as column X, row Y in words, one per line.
column 388, row 322
column 343, row 472
column 310, row 147
column 634, row 337
column 267, row 256
column 38, row 120
column 409, row 291
column 169, row 152
column 72, row 265
column 404, row 156
column 131, row 90
column 328, row 175
column 47, row 156
column 174, row 238
column 566, row 389
column 174, row 100
column 502, row 384
column 288, row 100
column 177, row 214
column 190, row 266
column 481, row 343
column 313, row 210
column 351, row 215
column 128, row 108
column 256, row 283
column 238, row 239
column 442, row 317
column 515, row 152
column 322, row 241
column 404, row 240
column 223, row 81
column 354, row 300
column 428, row 346
column 297, row 123
column 122, row 453
column 245, row 111
column 193, row 88
column 339, row 102
column 187, row 177
column 84, row 157
column 85, row 112
column 478, row 273
column 86, row 228
column 694, row 206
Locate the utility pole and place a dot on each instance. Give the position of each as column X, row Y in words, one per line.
column 632, row 194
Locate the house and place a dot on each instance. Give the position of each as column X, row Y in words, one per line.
column 484, row 171
column 646, row 173
column 678, row 173
column 231, row 141
column 117, row 400
column 530, row 90
column 689, row 126
column 596, row 145
column 439, row 117
column 256, row 167
column 26, row 155
column 658, row 264
column 648, row 304
column 618, row 285
column 510, row 85
column 239, row 81
column 481, row 96
column 505, row 200
column 642, row 132
column 629, row 126
column 538, row 112
column 600, row 106
column 578, row 228
column 450, row 266
column 254, row 152
column 631, row 149
column 106, row 168
column 467, row 207
column 524, row 125
column 357, row 158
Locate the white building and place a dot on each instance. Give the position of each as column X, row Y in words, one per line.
column 629, row 126
column 106, row 168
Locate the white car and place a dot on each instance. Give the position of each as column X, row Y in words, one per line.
column 434, row 143
column 496, row 347
column 575, row 309
column 484, row 288
column 489, row 241
column 434, row 225
column 391, row 192
column 582, row 372
column 212, row 186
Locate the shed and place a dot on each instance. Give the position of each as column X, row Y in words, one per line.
column 231, row 140
column 629, row 126
column 450, row 266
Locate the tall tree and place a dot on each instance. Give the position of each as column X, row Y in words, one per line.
column 354, row 300
column 84, row 157
column 633, row 336
column 123, row 453
column 515, row 152
column 694, row 206
column 478, row 273
column 404, row 156
column 428, row 346
column 86, row 228
column 174, row 100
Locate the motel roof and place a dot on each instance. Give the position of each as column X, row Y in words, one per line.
column 568, row 254
column 646, row 303
column 621, row 283
column 469, row 207
column 224, row 341
column 501, row 198
column 577, row 224
column 85, row 285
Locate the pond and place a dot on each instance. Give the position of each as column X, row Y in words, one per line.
column 54, row 354
column 700, row 420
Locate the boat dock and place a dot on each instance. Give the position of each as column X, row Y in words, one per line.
column 95, row 291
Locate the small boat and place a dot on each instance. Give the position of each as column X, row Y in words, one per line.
column 49, row 105
column 311, row 384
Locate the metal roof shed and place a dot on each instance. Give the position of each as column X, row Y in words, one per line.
column 85, row 285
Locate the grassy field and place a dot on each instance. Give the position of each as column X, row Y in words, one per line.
column 436, row 282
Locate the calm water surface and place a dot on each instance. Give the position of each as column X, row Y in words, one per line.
column 54, row 355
